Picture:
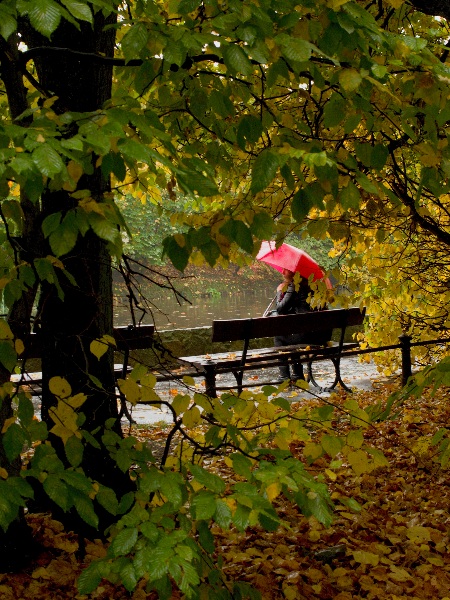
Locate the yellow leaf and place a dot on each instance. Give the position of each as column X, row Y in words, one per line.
column 65, row 419
column 130, row 390
column 350, row 79
column 188, row 380
column 19, row 346
column 192, row 417
column 181, row 403
column 290, row 592
column 312, row 450
column 283, row 438
column 60, row 387
column 355, row 438
column 77, row 400
column 3, row 473
column 5, row 331
column 359, row 462
column 7, row 424
column 149, row 380
column 396, row 3
column 366, row 558
column 273, row 490
column 100, row 346
column 418, row 534
column 331, row 474
column 436, row 560
column 40, row 138
column 398, row 574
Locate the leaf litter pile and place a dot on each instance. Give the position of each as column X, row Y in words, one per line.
column 395, row 547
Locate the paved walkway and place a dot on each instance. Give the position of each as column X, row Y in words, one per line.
column 362, row 376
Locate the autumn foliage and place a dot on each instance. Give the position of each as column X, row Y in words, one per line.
column 240, row 120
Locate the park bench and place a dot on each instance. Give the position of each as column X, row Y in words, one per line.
column 127, row 338
column 245, row 330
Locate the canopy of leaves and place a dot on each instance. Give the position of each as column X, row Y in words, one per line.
column 266, row 117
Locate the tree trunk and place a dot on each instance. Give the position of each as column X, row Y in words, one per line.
column 16, row 543
column 69, row 324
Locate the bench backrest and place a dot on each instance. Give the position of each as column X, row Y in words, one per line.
column 245, row 329
column 127, row 338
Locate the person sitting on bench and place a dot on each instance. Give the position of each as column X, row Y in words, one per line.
column 291, row 301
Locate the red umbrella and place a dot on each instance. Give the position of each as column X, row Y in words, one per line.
column 291, row 258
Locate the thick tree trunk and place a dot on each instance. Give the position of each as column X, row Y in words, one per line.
column 16, row 544
column 69, row 324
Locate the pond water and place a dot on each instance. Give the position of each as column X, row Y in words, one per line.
column 249, row 302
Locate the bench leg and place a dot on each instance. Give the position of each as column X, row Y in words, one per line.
column 210, row 381
column 337, row 375
column 239, row 376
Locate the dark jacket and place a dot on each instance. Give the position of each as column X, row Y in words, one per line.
column 291, row 301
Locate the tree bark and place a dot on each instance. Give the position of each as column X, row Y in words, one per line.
column 68, row 325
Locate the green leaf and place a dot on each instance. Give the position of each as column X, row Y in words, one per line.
column 268, row 522
column 8, row 355
column 250, row 130
column 103, row 228
column 241, row 517
column 89, row 579
column 25, row 411
column 205, row 537
column 171, row 489
column 63, row 240
column 301, row 205
column 297, row 50
column 47, row 160
column 209, row 480
column 123, row 542
column 211, row 252
column 57, row 491
column 134, row 41
column 14, row 440
column 350, row 196
column 204, row 505
column 334, row 111
column 158, row 563
column 236, row 60
column 107, row 498
column 241, row 465
column 222, row 515
column 262, row 226
column 128, row 577
column 85, row 509
column 44, row 15
column 192, row 182
column 78, row 481
column 51, row 223
column 237, row 231
column 74, row 450
column 264, row 170
column 79, row 10
column 320, row 509
column 114, row 163
column 8, row 23
column 179, row 256
column 331, row 444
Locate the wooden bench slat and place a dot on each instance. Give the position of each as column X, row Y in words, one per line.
column 239, row 329
column 127, row 338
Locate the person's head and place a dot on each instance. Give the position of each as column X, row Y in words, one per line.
column 288, row 276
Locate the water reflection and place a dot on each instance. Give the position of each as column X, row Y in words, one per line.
column 236, row 305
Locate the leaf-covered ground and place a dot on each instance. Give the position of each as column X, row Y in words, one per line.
column 395, row 548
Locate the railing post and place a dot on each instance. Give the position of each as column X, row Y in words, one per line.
column 405, row 342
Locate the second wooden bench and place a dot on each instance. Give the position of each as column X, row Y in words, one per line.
column 245, row 330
